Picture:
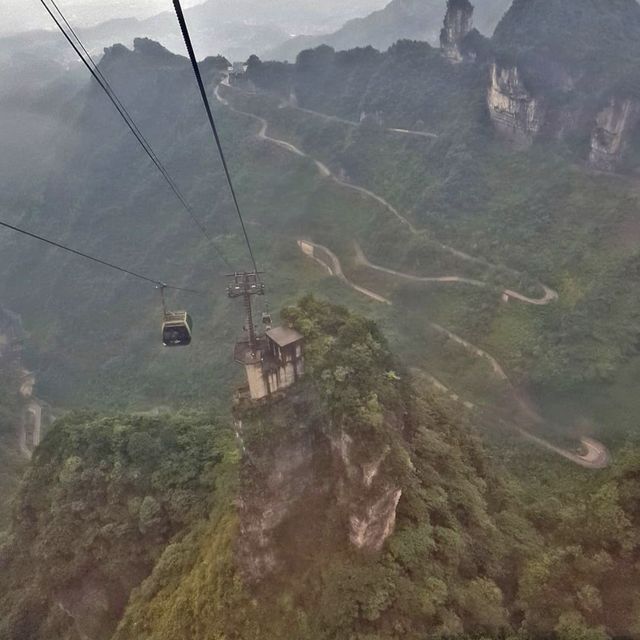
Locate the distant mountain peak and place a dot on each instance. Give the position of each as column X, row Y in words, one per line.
column 149, row 47
column 458, row 23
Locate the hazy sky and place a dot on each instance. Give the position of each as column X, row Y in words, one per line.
column 20, row 15
column 24, row 15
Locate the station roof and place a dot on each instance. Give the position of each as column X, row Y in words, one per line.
column 283, row 336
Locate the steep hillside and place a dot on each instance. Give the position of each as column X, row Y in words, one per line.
column 100, row 503
column 583, row 35
column 92, row 187
column 569, row 70
column 12, row 459
column 352, row 506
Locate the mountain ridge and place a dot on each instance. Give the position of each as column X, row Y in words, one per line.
column 399, row 20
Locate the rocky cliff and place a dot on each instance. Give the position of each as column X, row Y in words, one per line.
column 514, row 111
column 300, row 475
column 610, row 136
column 311, row 455
column 359, row 511
column 458, row 23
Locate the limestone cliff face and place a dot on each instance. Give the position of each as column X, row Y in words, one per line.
column 458, row 23
column 33, row 415
column 368, row 499
column 279, row 481
column 614, row 125
column 514, row 111
column 308, row 488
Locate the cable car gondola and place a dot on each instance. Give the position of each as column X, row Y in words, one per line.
column 177, row 329
column 177, row 326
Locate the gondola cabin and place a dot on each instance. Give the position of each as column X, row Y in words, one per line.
column 177, row 329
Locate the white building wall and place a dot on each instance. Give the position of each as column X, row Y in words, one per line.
column 257, row 386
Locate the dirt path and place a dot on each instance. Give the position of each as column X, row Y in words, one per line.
column 596, row 456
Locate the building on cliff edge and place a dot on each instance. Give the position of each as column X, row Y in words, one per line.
column 273, row 362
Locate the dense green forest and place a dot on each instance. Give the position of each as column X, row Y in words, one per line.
column 476, row 550
column 536, row 211
column 101, row 501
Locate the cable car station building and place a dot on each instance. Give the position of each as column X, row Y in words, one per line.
column 275, row 363
column 274, row 360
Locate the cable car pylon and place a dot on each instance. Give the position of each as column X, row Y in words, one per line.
column 245, row 285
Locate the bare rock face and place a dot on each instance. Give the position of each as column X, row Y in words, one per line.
column 367, row 498
column 89, row 608
column 513, row 110
column 609, row 138
column 94, row 604
column 309, row 489
column 278, row 483
column 458, row 23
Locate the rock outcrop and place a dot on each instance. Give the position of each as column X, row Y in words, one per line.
column 614, row 125
column 33, row 415
column 278, row 483
column 514, row 111
column 369, row 501
column 458, row 23
column 308, row 476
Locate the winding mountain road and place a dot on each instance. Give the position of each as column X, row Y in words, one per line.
column 331, row 263
column 549, row 294
column 596, row 455
column 352, row 123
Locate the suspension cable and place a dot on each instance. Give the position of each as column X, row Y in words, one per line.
column 126, row 116
column 86, row 256
column 207, row 106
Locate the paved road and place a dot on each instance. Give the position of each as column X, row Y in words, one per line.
column 549, row 294
column 596, row 455
column 353, row 123
column 331, row 263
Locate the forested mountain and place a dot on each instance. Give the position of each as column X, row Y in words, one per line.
column 166, row 504
column 400, row 19
column 460, row 458
column 235, row 29
column 58, row 183
column 593, row 32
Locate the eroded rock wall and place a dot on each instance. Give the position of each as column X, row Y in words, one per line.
column 308, row 488
column 514, row 111
column 610, row 136
column 458, row 23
